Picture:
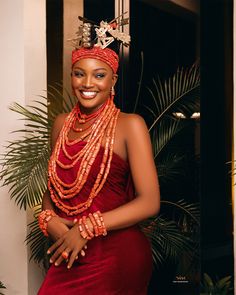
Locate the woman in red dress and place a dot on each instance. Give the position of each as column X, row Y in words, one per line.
column 102, row 183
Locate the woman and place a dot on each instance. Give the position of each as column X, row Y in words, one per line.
column 102, row 183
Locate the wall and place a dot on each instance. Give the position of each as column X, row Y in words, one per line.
column 22, row 76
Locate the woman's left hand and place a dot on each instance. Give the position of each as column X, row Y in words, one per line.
column 68, row 247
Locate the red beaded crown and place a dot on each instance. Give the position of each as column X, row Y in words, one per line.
column 105, row 34
column 106, row 55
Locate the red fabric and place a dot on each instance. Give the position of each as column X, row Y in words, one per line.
column 121, row 262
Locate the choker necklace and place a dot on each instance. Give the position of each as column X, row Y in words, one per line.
column 100, row 131
column 84, row 118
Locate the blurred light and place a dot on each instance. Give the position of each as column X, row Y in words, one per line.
column 182, row 116
column 179, row 115
column 195, row 116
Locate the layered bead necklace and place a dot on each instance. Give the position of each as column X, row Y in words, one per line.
column 100, row 129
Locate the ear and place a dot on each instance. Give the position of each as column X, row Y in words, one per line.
column 114, row 79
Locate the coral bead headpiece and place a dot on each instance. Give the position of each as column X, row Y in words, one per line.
column 106, row 55
column 92, row 41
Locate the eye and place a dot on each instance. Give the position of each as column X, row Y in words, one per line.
column 100, row 75
column 78, row 74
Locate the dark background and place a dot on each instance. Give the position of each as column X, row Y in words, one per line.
column 216, row 136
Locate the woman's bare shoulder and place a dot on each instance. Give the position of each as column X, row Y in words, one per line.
column 128, row 118
column 132, row 124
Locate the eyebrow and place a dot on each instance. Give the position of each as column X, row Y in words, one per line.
column 97, row 69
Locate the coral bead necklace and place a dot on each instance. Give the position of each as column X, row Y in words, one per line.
column 100, row 129
column 83, row 118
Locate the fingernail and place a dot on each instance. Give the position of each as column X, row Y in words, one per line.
column 48, row 252
column 51, row 261
column 68, row 266
column 82, row 253
column 56, row 264
column 75, row 220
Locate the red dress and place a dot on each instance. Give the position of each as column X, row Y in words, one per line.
column 119, row 263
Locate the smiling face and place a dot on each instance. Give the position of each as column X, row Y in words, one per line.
column 92, row 81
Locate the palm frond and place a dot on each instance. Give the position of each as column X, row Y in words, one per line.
column 216, row 287
column 25, row 160
column 25, row 169
column 168, row 242
column 170, row 237
column 162, row 135
column 32, row 114
column 139, row 84
column 191, row 210
column 180, row 92
column 170, row 167
column 54, row 93
column 39, row 244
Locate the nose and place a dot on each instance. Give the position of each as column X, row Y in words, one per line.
column 87, row 82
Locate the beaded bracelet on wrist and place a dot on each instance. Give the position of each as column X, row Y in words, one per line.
column 97, row 222
column 43, row 219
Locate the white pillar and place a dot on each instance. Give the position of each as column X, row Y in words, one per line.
column 22, row 76
column 35, row 69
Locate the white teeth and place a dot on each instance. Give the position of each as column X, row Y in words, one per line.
column 89, row 93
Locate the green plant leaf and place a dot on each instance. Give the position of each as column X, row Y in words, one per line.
column 164, row 133
column 181, row 92
column 170, row 168
column 167, row 239
column 25, row 170
column 219, row 287
column 39, row 244
column 224, row 283
column 192, row 210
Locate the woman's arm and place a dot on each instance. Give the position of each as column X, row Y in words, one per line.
column 144, row 174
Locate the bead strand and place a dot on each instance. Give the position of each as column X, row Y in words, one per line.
column 102, row 130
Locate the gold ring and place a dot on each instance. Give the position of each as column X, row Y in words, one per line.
column 64, row 254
